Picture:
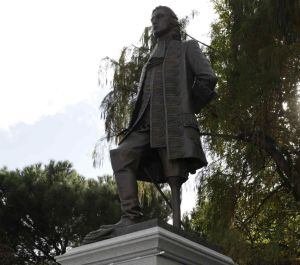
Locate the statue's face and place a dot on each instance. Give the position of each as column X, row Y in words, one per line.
column 160, row 22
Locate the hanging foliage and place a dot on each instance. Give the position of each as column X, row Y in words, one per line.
column 249, row 195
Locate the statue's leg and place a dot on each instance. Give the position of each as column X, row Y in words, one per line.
column 173, row 170
column 125, row 162
column 175, row 185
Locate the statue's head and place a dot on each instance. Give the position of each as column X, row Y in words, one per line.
column 164, row 21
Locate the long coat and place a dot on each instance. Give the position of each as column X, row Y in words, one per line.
column 188, row 85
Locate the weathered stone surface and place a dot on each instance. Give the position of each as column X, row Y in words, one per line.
column 147, row 243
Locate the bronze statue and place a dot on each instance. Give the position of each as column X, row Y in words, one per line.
column 162, row 143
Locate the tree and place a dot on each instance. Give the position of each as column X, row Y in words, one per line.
column 256, row 57
column 249, row 196
column 46, row 209
column 252, row 221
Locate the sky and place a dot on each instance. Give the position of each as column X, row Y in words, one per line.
column 50, row 53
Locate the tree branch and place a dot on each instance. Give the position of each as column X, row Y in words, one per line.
column 256, row 211
column 221, row 135
column 287, row 170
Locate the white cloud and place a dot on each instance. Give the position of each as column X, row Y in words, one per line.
column 50, row 50
column 69, row 135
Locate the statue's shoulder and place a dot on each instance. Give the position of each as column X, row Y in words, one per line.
column 190, row 42
column 185, row 46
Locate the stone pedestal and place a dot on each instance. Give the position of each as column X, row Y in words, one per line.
column 154, row 245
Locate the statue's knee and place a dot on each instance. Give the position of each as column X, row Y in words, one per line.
column 175, row 181
column 122, row 157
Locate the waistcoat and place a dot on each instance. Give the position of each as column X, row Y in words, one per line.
column 153, row 117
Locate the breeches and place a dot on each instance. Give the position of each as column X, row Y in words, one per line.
column 125, row 159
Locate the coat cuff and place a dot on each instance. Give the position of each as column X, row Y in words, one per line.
column 203, row 92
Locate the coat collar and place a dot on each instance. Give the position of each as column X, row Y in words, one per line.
column 159, row 50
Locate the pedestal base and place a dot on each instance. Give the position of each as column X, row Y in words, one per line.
column 155, row 245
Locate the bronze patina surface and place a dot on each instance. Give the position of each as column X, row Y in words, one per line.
column 162, row 143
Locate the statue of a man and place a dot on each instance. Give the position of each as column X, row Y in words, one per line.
column 163, row 141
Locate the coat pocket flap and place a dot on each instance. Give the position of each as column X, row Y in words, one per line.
column 189, row 120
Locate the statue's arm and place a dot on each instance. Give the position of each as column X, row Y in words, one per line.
column 204, row 82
